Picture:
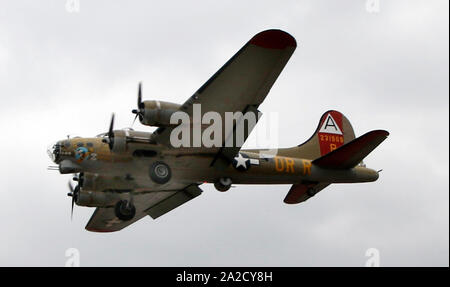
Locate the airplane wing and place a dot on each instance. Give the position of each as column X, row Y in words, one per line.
column 153, row 204
column 241, row 85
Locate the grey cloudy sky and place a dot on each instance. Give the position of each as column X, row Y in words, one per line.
column 65, row 73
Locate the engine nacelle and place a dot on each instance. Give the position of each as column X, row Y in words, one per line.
column 94, row 182
column 157, row 113
column 67, row 166
column 120, row 141
column 97, row 198
column 91, row 191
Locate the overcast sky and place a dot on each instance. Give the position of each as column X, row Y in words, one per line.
column 64, row 71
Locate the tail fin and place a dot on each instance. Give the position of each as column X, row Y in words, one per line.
column 334, row 130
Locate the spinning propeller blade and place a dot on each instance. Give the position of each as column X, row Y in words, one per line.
column 110, row 134
column 140, row 109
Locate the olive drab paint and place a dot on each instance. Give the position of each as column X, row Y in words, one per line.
column 128, row 175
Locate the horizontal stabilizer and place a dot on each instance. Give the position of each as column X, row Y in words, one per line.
column 302, row 191
column 352, row 153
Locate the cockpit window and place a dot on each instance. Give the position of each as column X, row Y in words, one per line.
column 89, row 144
column 80, row 144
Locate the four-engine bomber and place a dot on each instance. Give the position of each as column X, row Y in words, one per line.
column 127, row 174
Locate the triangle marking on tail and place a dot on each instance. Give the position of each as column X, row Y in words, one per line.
column 330, row 126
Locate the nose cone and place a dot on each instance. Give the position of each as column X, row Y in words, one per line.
column 53, row 150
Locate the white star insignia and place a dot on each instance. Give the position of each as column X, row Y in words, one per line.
column 241, row 161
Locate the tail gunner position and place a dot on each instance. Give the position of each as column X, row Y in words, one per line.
column 128, row 174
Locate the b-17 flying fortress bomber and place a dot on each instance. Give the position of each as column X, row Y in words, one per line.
column 127, row 174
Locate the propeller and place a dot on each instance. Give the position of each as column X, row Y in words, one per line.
column 110, row 134
column 139, row 111
column 74, row 194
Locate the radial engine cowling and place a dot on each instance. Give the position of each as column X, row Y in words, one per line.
column 119, row 141
column 157, row 113
column 88, row 196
